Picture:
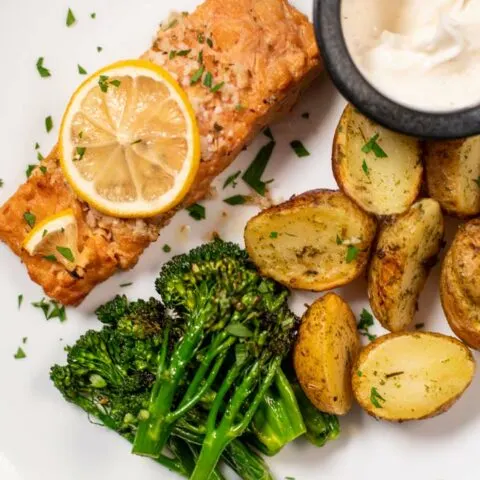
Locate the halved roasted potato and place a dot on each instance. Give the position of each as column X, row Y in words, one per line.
column 327, row 345
column 379, row 169
column 453, row 175
column 411, row 376
column 460, row 284
column 316, row 241
column 406, row 249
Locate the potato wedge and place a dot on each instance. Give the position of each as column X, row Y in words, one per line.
column 379, row 169
column 406, row 249
column 411, row 376
column 460, row 284
column 452, row 174
column 327, row 345
column 316, row 241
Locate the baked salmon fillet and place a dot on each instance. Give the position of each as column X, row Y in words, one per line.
column 265, row 53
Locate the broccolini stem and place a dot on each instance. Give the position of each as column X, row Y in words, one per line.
column 245, row 462
column 153, row 432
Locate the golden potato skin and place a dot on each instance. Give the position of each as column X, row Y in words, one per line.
column 406, row 249
column 382, row 186
column 451, row 170
column 297, row 242
column 460, row 284
column 324, row 353
column 411, row 375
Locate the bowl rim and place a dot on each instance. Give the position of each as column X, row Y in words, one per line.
column 358, row 91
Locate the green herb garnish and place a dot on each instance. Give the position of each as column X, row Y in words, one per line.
column 253, row 174
column 231, row 180
column 273, row 234
column 37, row 146
column 197, row 75
column 268, row 133
column 201, row 38
column 39, row 156
column 299, row 149
column 29, row 170
column 352, row 253
column 44, row 72
column 366, row 321
column 1, row 183
column 20, row 301
column 48, row 124
column 30, row 218
column 99, row 49
column 43, row 169
column 66, row 253
column 51, row 309
column 375, row 398
column 197, row 211
column 373, row 146
column 93, row 15
column 80, row 153
column 236, row 200
column 50, row 258
column 210, row 42
column 208, row 80
column 70, row 18
column 20, row 354
column 81, row 70
column 217, row 87
column 339, row 240
column 123, row 285
column 167, row 248
column 200, row 57
column 365, row 168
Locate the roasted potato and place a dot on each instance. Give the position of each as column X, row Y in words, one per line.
column 379, row 169
column 316, row 241
column 406, row 249
column 411, row 376
column 324, row 353
column 452, row 175
column 460, row 284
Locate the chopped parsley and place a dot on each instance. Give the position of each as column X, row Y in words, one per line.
column 359, row 373
column 29, row 170
column 66, row 253
column 80, row 153
column 37, row 146
column 51, row 309
column 30, row 218
column 99, row 49
column 50, row 258
column 236, row 200
column 201, row 38
column 208, row 80
column 39, row 156
column 217, row 87
column 104, row 83
column 273, row 234
column 366, row 321
column 197, row 75
column 1, row 183
column 44, row 72
column 20, row 354
column 48, row 124
column 43, row 169
column 365, row 168
column 167, row 248
column 210, row 42
column 339, row 240
column 306, row 115
column 24, row 340
column 81, row 70
column 70, row 18
column 352, row 253
column 477, row 181
column 299, row 149
column 20, row 301
column 200, row 57
column 373, row 146
column 93, row 15
column 123, row 285
column 231, row 180
column 268, row 133
column 197, row 211
column 376, row 398
column 253, row 174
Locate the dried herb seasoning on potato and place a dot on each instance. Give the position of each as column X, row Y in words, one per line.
column 316, row 241
column 453, row 174
column 379, row 169
column 411, row 376
column 406, row 249
column 460, row 284
column 327, row 346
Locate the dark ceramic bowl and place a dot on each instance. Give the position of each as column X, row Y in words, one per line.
column 354, row 87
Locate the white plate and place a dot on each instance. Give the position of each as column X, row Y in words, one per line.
column 43, row 437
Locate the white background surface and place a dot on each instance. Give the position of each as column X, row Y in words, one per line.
column 43, row 437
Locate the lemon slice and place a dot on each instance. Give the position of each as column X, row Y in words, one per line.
column 129, row 141
column 55, row 239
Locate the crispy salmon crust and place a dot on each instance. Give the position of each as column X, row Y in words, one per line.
column 262, row 54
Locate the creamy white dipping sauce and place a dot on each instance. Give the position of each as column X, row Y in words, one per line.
column 424, row 54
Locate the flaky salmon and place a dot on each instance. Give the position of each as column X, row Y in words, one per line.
column 265, row 54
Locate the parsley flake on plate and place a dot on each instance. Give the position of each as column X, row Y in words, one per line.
column 81, row 70
column 167, row 248
column 20, row 301
column 70, row 18
column 66, row 253
column 231, row 180
column 197, row 75
column 124, row 285
column 236, row 200
column 20, row 354
column 197, row 211
column 253, row 174
column 43, row 71
column 299, row 149
column 30, row 218
column 48, row 124
column 365, row 168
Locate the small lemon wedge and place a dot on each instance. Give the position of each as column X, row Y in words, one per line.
column 55, row 239
column 129, row 141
